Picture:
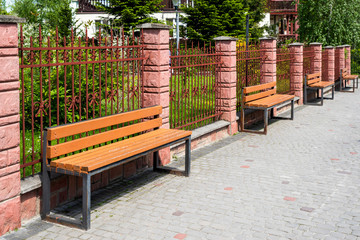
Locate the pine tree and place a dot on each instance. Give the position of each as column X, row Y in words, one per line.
column 212, row 18
column 130, row 13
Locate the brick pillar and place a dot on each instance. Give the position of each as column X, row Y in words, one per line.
column 316, row 63
column 347, row 57
column 329, row 74
column 227, row 80
column 9, row 125
column 339, row 60
column 156, row 74
column 296, row 70
column 268, row 53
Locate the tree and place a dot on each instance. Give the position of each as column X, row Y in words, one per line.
column 331, row 22
column 212, row 18
column 130, row 13
column 3, row 8
column 49, row 13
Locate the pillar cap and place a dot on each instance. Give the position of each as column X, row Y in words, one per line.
column 296, row 44
column 11, row 19
column 347, row 45
column 224, row 38
column 329, row 47
column 341, row 46
column 315, row 43
column 267, row 38
column 153, row 26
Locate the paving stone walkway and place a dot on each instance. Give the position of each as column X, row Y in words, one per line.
column 301, row 181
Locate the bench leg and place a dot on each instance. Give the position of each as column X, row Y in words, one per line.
column 265, row 121
column 305, row 96
column 332, row 92
column 155, row 160
column 86, row 201
column 45, row 193
column 322, row 96
column 292, row 110
column 187, row 157
column 353, row 88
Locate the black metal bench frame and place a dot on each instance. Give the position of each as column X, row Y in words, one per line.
column 354, row 80
column 86, row 196
column 317, row 89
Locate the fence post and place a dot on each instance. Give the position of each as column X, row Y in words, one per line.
column 339, row 61
column 296, row 70
column 227, row 80
column 9, row 125
column 347, row 56
column 156, row 73
column 316, row 62
column 329, row 68
column 268, row 52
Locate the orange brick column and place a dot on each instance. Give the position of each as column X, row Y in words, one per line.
column 9, row 125
column 347, row 56
column 329, row 68
column 296, row 70
column 268, row 53
column 227, row 80
column 317, row 60
column 156, row 74
column 339, row 60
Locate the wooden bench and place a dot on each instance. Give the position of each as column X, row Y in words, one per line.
column 313, row 82
column 346, row 76
column 103, row 143
column 263, row 97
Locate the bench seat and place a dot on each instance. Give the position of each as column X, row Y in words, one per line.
column 345, row 77
column 103, row 156
column 321, row 84
column 269, row 101
column 313, row 82
column 263, row 97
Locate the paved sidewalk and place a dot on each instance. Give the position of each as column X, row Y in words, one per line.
column 301, row 181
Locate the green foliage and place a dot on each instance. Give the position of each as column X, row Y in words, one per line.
column 212, row 18
column 130, row 13
column 355, row 61
column 3, row 10
column 331, row 22
column 47, row 13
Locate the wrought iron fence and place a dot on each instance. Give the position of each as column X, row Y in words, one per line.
column 66, row 80
column 283, row 60
column 194, row 71
column 308, row 58
column 248, row 68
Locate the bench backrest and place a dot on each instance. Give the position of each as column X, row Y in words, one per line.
column 344, row 72
column 263, row 90
column 117, row 126
column 312, row 78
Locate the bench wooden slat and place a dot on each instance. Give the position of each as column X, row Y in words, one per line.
column 81, row 143
column 313, row 75
column 321, row 84
column 259, row 87
column 314, row 80
column 259, row 95
column 103, row 156
column 68, row 162
column 270, row 101
column 103, row 122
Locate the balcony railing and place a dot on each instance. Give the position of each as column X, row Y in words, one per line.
column 282, row 6
column 90, row 5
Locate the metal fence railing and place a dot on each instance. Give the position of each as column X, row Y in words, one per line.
column 72, row 79
column 248, row 68
column 194, row 71
column 283, row 60
column 308, row 58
